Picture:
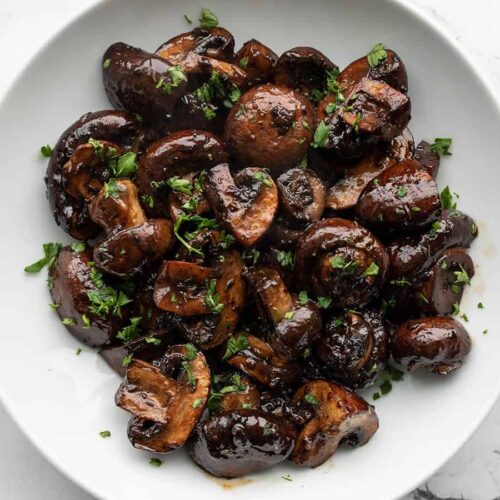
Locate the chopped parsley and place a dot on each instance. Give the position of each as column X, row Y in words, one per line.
column 130, row 332
column 212, row 299
column 46, row 151
column 357, row 120
column 264, row 178
column 209, row 113
column 324, row 302
column 447, row 199
column 244, row 62
column 124, row 165
column 197, row 403
column 441, row 146
column 78, row 246
column 402, row 192
column 127, row 360
column 371, row 270
column 189, row 374
column 208, row 19
column 289, row 315
column 188, row 19
column 155, row 462
column 148, row 200
column 201, row 223
column 78, row 351
column 320, row 135
column 480, row 305
column 303, row 298
column 235, row 344
column 287, row 477
column 456, row 309
column 106, row 64
column 311, row 399
column 105, row 434
column 69, row 321
column 377, row 55
column 338, row 262
column 286, row 259
column 112, row 189
column 51, row 251
column 461, row 279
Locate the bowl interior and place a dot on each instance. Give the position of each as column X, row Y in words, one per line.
column 62, row 401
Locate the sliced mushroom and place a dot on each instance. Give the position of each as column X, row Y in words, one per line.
column 233, row 391
column 444, row 285
column 340, row 259
column 416, row 254
column 141, row 82
column 305, row 69
column 181, row 288
column 339, row 417
column 166, row 402
column 235, row 443
column 302, row 194
column 211, row 42
column 428, row 158
column 438, row 344
column 354, row 348
column 245, row 204
column 177, row 154
column 270, row 126
column 293, row 326
column 259, row 361
column 69, row 212
column 71, row 276
column 404, row 197
column 258, row 61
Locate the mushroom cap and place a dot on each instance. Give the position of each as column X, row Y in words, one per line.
column 233, row 391
column 235, row 443
column 270, row 126
column 339, row 417
column 259, row 62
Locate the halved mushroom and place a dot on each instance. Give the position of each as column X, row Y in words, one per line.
column 132, row 243
column 270, row 126
column 235, row 443
column 192, row 200
column 211, row 42
column 404, row 197
column 257, row 60
column 245, row 204
column 71, row 213
column 258, row 360
column 339, row 258
column 416, row 254
column 141, row 82
column 181, row 288
column 72, row 291
column 233, row 391
column 339, row 417
column 302, row 194
column 438, row 344
column 444, row 285
column 293, row 326
column 166, row 402
column 305, row 69
column 176, row 154
column 199, row 69
column 428, row 158
column 354, row 348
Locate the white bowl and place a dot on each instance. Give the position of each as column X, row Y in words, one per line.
column 62, row 401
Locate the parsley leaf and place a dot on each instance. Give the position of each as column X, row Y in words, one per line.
column 286, row 259
column 112, row 189
column 78, row 246
column 320, row 135
column 447, row 199
column 130, row 332
column 442, row 145
column 311, row 399
column 303, row 298
column 244, row 62
column 208, row 19
column 235, row 344
column 377, row 55
column 124, row 165
column 324, row 302
column 105, row 434
column 264, row 178
column 212, row 299
column 371, row 270
column 46, row 151
column 51, row 251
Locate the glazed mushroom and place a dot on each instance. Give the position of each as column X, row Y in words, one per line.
column 167, row 401
column 404, row 197
column 258, row 360
column 270, row 126
column 235, row 443
column 216, row 42
column 233, row 391
column 71, row 213
column 293, row 326
column 302, row 194
column 444, row 284
column 75, row 294
column 190, row 200
column 339, row 417
column 258, row 61
column 176, row 154
column 246, row 204
column 305, row 69
column 132, row 243
column 354, row 348
column 340, row 259
column 416, row 254
column 438, row 344
column 428, row 158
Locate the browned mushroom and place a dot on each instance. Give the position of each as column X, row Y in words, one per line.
column 166, row 402
column 428, row 158
column 404, row 197
column 235, row 443
column 340, row 259
column 190, row 200
column 257, row 359
column 177, row 154
column 270, row 126
column 439, row 344
column 211, row 42
column 257, row 60
column 302, row 194
column 233, row 391
column 354, row 348
column 245, row 204
column 339, row 417
column 293, row 326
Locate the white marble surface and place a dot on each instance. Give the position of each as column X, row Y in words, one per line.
column 472, row 474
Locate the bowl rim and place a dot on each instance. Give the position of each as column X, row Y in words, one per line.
column 406, row 6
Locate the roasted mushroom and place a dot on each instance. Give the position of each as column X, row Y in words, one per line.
column 438, row 344
column 292, row 325
column 233, row 391
column 245, row 204
column 257, row 60
column 234, row 443
column 428, row 158
column 167, row 401
column 339, row 417
column 71, row 213
column 354, row 348
column 403, row 197
column 270, row 126
column 340, row 259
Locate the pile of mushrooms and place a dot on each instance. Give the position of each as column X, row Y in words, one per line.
column 262, row 239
